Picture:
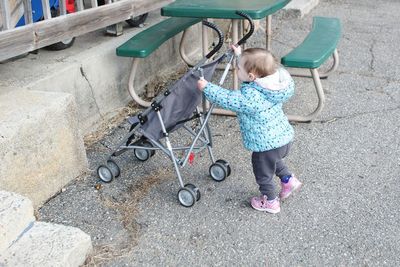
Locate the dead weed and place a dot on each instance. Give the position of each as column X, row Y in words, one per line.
column 128, row 209
column 107, row 126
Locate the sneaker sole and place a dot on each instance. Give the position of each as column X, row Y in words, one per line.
column 267, row 210
column 273, row 211
column 293, row 191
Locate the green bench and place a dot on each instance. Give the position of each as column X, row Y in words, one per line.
column 146, row 42
column 317, row 47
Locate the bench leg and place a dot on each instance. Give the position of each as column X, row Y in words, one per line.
column 334, row 66
column 321, row 100
column 132, row 92
column 303, row 73
column 182, row 51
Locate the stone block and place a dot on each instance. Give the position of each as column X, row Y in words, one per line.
column 299, row 8
column 16, row 215
column 41, row 148
column 47, row 244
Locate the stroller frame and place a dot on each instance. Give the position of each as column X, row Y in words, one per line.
column 144, row 145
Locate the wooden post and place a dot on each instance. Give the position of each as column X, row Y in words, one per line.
column 63, row 7
column 28, row 12
column 94, row 3
column 14, row 10
column 46, row 9
column 79, row 5
column 5, row 14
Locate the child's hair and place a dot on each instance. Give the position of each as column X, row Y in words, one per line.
column 259, row 61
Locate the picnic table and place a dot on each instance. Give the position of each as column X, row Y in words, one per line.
column 320, row 44
column 226, row 9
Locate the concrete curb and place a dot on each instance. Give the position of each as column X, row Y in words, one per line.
column 48, row 244
column 41, row 146
column 37, row 243
column 16, row 214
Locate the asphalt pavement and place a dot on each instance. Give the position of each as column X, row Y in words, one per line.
column 347, row 212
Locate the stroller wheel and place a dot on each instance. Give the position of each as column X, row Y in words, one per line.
column 148, row 144
column 226, row 164
column 105, row 173
column 195, row 189
column 143, row 154
column 218, row 171
column 186, row 197
column 113, row 167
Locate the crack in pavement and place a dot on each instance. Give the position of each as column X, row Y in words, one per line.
column 334, row 119
column 369, row 75
column 91, row 90
column 371, row 51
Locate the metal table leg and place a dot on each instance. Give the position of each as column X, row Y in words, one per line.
column 321, row 100
column 132, row 92
column 268, row 32
column 235, row 39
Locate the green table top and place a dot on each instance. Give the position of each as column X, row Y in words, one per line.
column 222, row 9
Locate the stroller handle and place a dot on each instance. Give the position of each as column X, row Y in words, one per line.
column 220, row 38
column 250, row 32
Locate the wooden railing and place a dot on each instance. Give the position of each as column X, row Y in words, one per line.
column 34, row 35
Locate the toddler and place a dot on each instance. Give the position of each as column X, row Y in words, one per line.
column 265, row 128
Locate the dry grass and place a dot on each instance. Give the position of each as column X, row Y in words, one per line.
column 107, row 126
column 102, row 254
column 161, row 82
column 128, row 210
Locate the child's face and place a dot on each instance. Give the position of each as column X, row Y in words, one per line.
column 243, row 75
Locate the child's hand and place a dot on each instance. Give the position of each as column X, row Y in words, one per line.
column 237, row 50
column 201, row 84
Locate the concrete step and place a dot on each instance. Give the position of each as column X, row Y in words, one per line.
column 46, row 244
column 16, row 215
column 299, row 8
column 41, row 147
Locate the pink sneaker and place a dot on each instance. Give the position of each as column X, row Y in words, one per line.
column 288, row 188
column 260, row 203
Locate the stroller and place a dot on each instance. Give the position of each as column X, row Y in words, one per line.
column 173, row 109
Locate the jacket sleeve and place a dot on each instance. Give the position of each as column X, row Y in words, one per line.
column 235, row 101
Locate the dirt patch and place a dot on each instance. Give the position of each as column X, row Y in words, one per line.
column 128, row 210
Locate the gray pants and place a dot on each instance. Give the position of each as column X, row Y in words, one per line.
column 268, row 163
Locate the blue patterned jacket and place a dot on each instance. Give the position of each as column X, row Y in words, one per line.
column 263, row 124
